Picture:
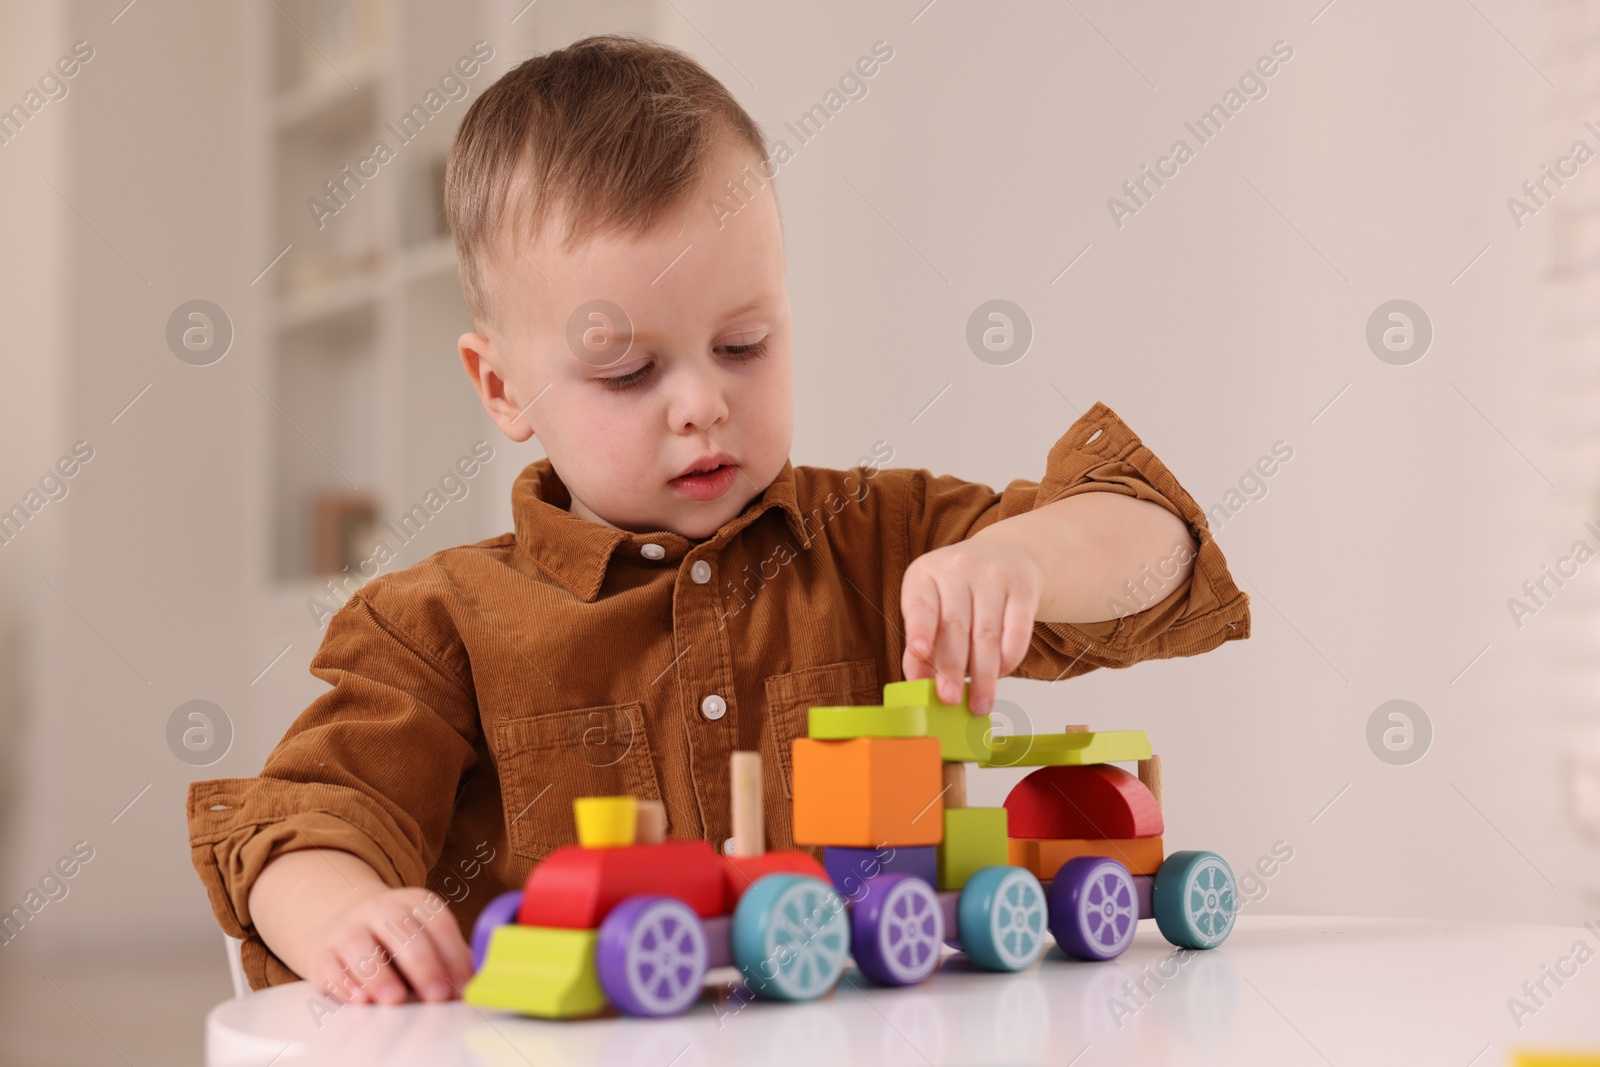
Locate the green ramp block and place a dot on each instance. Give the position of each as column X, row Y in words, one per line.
column 1067, row 750
column 844, row 723
column 973, row 838
column 541, row 971
column 963, row 736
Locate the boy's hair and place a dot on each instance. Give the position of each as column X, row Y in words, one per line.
column 613, row 131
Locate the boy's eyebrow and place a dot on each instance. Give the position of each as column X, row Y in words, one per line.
column 760, row 301
column 639, row 336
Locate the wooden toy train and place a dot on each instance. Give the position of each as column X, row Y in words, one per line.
column 630, row 919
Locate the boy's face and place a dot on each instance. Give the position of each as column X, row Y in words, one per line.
column 625, row 405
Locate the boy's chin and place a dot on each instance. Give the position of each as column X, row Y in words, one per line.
column 700, row 527
column 693, row 527
column 693, row 520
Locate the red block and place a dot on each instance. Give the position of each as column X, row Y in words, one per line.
column 1100, row 800
column 576, row 887
column 740, row 872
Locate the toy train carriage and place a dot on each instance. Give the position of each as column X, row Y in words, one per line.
column 1088, row 831
column 629, row 919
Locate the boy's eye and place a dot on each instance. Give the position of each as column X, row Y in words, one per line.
column 739, row 353
column 629, row 380
column 754, row 350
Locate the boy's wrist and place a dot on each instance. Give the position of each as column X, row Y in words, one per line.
column 299, row 895
column 1017, row 537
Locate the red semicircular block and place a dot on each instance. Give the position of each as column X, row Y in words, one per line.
column 1100, row 800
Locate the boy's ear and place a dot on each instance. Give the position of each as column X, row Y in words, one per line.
column 482, row 365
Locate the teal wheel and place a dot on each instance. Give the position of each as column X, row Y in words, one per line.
column 1002, row 918
column 1195, row 899
column 791, row 937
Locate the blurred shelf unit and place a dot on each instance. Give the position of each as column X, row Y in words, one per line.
column 364, row 304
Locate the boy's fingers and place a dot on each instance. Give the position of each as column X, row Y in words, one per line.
column 417, row 959
column 329, row 976
column 919, row 606
column 988, row 618
column 452, row 949
column 366, row 963
column 950, row 646
column 1018, row 634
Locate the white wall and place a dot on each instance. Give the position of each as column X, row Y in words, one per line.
column 146, row 546
column 31, row 307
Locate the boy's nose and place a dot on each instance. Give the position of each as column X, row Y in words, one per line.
column 695, row 400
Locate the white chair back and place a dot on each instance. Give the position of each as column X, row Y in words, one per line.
column 241, row 985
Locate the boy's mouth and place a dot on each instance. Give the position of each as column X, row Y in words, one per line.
column 706, row 479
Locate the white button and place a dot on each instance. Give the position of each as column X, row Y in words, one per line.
column 713, row 707
column 652, row 551
column 700, row 572
column 727, row 847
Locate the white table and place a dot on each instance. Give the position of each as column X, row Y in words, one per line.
column 1282, row 990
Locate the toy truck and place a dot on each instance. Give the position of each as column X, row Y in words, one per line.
column 630, row 920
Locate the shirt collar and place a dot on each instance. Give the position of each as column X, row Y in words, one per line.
column 575, row 552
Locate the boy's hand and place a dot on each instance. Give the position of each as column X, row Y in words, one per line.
column 369, row 951
column 969, row 608
column 337, row 924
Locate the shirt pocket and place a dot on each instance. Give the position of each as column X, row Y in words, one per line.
column 790, row 697
column 548, row 760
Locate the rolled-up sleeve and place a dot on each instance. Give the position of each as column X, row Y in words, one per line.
column 1098, row 453
column 347, row 774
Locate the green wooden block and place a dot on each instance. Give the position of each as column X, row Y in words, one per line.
column 843, row 723
column 963, row 736
column 922, row 692
column 1067, row 750
column 540, row 971
column 973, row 838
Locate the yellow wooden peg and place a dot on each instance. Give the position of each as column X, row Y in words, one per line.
column 606, row 822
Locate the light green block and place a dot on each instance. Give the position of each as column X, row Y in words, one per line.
column 843, row 723
column 973, row 838
column 540, row 971
column 1068, row 750
column 963, row 736
column 922, row 692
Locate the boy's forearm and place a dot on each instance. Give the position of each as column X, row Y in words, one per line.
column 1089, row 545
column 297, row 893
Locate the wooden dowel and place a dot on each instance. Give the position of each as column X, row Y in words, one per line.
column 955, row 785
column 1077, row 728
column 652, row 823
column 749, row 838
column 1150, row 775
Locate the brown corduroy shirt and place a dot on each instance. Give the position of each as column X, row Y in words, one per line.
column 478, row 692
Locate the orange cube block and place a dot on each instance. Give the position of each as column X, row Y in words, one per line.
column 1044, row 855
column 868, row 791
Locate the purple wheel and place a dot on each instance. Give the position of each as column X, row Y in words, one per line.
column 896, row 929
column 498, row 912
column 652, row 956
column 1094, row 908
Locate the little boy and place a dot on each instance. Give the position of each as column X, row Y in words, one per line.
column 674, row 589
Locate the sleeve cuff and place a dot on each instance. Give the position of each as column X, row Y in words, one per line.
column 1100, row 453
column 236, row 825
